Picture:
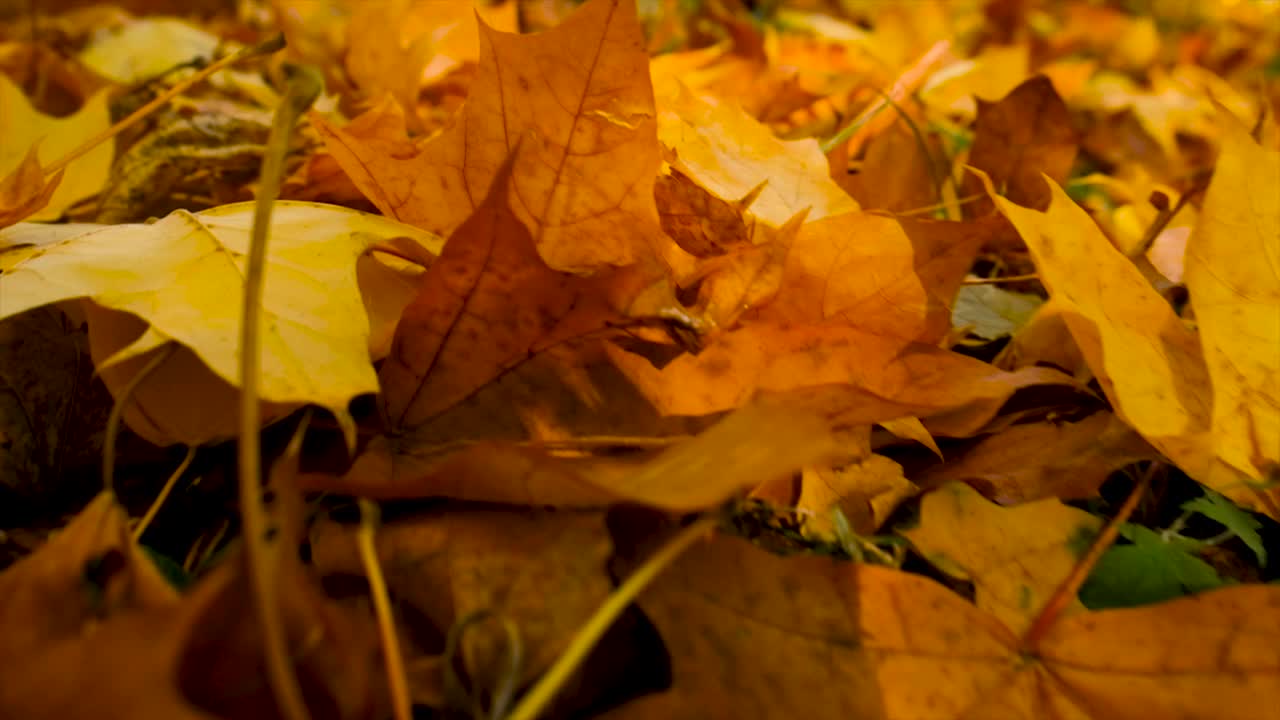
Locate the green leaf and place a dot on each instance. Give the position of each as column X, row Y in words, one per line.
column 1229, row 515
column 993, row 312
column 1146, row 572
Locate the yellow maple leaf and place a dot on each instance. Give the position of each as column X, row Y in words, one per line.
column 1016, row 557
column 1233, row 273
column 181, row 279
column 1147, row 359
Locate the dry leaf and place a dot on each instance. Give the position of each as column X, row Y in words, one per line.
column 23, row 128
column 584, row 183
column 725, row 151
column 183, row 276
column 1233, row 273
column 1068, row 460
column 848, row 640
column 481, row 308
column 1026, row 134
column 1015, row 556
column 448, row 566
column 24, row 191
column 1147, row 359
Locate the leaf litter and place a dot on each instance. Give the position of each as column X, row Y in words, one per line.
column 705, row 360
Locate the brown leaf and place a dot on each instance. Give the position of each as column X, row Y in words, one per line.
column 449, row 565
column 1026, row 134
column 1028, row 462
column 752, row 635
column 480, row 309
column 580, row 97
column 24, row 191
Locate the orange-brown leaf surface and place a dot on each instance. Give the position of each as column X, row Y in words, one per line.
column 24, row 191
column 579, row 99
column 1016, row 557
column 727, row 359
column 1026, row 134
column 754, row 635
column 481, row 307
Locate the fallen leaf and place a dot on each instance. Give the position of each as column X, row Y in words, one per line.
column 449, row 566
column 990, row 75
column 729, row 154
column 906, row 380
column 1233, row 273
column 146, row 48
column 183, row 276
column 481, row 308
column 747, row 448
column 1036, row 461
column 865, row 491
column 1015, row 556
column 579, row 124
column 992, row 312
column 1146, row 358
column 1026, row 134
column 864, row 641
column 24, row 191
column 25, row 129
column 891, row 277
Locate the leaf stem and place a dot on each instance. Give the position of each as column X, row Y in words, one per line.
column 260, row 558
column 116, row 418
column 540, row 695
column 397, row 685
column 1066, row 591
column 164, row 493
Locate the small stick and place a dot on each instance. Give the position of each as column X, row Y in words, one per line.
column 998, row 280
column 396, row 682
column 303, row 87
column 164, row 493
column 1071, row 585
column 116, row 418
column 862, row 127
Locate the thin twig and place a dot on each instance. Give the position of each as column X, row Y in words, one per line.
column 998, row 280
column 396, row 683
column 1065, row 592
column 304, row 85
column 862, row 126
column 164, row 493
column 116, row 418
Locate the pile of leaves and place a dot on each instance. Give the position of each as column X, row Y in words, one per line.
column 640, row 359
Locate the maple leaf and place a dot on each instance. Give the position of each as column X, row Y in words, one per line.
column 909, row 380
column 481, row 308
column 452, row 566
column 1026, row 134
column 1147, row 359
column 758, row 443
column 180, row 279
column 729, row 153
column 1233, row 273
column 1072, row 460
column 584, row 183
column 852, row 640
column 24, row 191
column 1016, row 557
